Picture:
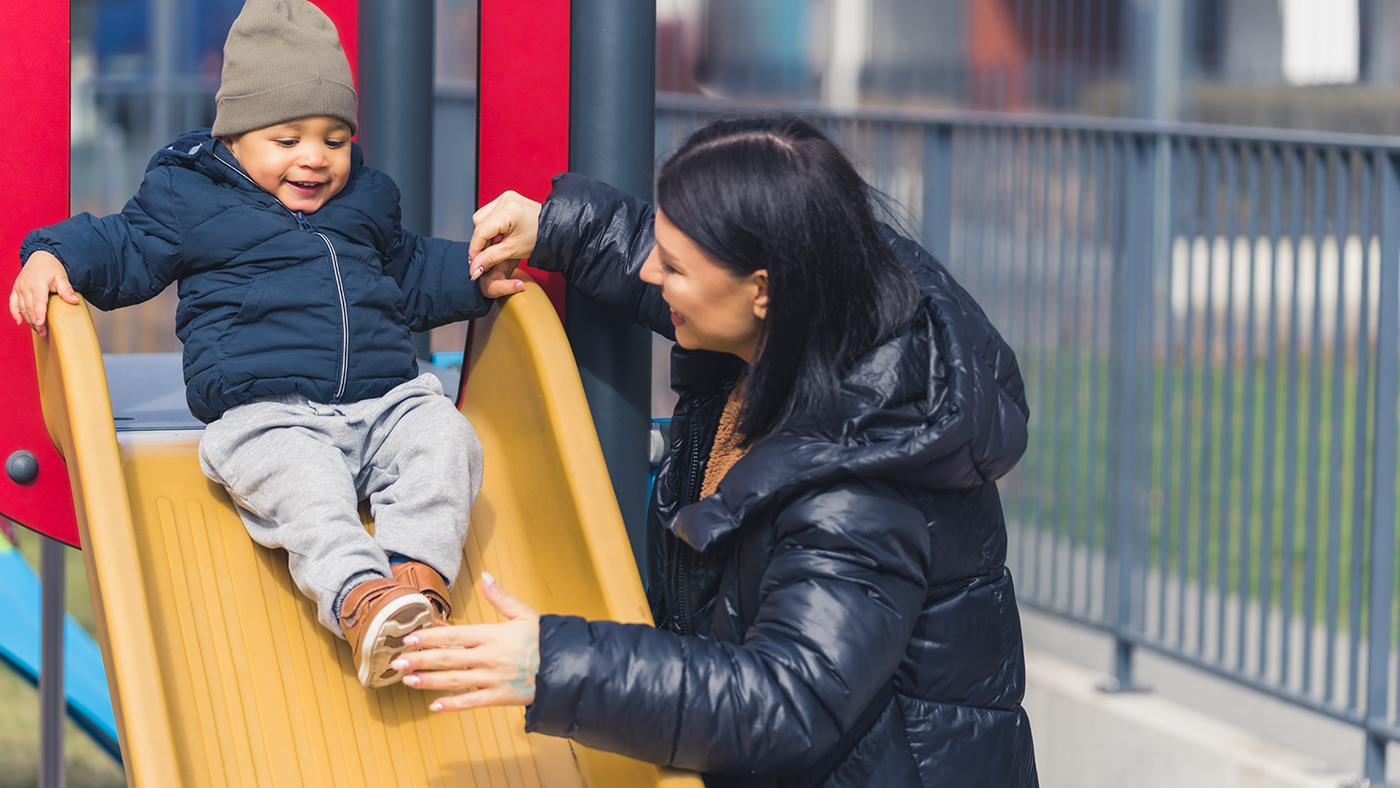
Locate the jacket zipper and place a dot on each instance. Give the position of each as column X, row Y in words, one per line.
column 344, row 307
column 303, row 224
column 692, row 495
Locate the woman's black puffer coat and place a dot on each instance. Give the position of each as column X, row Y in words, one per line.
column 838, row 612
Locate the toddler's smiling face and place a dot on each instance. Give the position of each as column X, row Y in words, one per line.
column 303, row 162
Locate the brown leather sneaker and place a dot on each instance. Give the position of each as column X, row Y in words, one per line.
column 428, row 582
column 375, row 616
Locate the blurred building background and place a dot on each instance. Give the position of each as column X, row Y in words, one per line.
column 1309, row 64
column 145, row 70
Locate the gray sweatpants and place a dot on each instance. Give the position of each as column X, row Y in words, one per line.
column 297, row 470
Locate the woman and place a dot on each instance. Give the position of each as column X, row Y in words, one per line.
column 826, row 541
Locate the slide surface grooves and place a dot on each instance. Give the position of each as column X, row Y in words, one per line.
column 220, row 674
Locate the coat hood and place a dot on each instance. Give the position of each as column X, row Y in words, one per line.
column 940, row 406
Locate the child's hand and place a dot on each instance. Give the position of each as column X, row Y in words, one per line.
column 497, row 282
column 29, row 300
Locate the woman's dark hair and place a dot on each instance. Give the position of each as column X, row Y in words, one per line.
column 772, row 192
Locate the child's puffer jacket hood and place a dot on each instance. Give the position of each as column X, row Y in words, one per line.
column 271, row 302
column 838, row 613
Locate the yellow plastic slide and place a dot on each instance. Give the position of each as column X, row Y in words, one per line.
column 220, row 674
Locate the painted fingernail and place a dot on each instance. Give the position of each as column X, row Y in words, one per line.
column 399, row 664
column 411, row 681
column 476, row 272
column 435, row 706
column 410, row 640
column 488, row 579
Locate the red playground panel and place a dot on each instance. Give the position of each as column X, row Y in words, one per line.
column 34, row 90
column 523, row 105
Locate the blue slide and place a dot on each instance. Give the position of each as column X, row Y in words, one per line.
column 83, row 676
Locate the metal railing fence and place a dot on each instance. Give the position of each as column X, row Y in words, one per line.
column 1207, row 322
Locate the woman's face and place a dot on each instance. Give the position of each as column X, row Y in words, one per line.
column 711, row 308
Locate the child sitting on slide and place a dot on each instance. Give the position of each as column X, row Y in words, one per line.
column 298, row 289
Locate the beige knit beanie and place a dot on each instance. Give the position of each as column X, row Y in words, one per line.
column 282, row 61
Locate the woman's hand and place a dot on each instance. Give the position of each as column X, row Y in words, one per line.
column 505, row 235
column 495, row 663
column 29, row 300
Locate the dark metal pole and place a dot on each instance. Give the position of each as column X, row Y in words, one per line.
column 396, row 105
column 52, row 703
column 612, row 122
column 1130, row 302
column 1155, row 35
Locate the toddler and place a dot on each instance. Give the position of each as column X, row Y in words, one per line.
column 298, row 289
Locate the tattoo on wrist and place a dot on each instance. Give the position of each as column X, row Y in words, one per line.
column 524, row 682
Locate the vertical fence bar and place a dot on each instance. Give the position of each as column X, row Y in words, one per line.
column 1132, row 247
column 1250, row 157
column 1074, row 504
column 1382, row 543
column 1151, row 231
column 1018, row 318
column 1310, row 521
column 1166, row 245
column 1334, row 463
column 1266, row 547
column 1057, row 464
column 1208, row 455
column 1026, row 237
column 1001, row 224
column 1227, row 411
column 1291, row 407
column 976, row 207
column 1040, row 275
column 1191, row 210
column 1004, row 148
column 1103, row 166
column 1363, row 431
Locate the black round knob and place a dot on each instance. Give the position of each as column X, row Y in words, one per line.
column 22, row 467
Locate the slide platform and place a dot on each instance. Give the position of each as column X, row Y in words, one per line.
column 219, row 672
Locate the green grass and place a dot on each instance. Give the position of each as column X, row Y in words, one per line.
column 85, row 765
column 1065, row 483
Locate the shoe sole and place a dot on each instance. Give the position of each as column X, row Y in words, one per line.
column 383, row 642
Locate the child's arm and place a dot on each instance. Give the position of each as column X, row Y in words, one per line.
column 113, row 261
column 435, row 276
column 29, row 300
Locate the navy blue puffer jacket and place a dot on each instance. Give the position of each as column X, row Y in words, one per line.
column 838, row 612
column 271, row 301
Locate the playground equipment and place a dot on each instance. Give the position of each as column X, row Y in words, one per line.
column 218, row 671
column 86, row 684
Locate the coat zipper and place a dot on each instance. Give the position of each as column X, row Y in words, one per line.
column 692, row 495
column 344, row 308
column 303, row 224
